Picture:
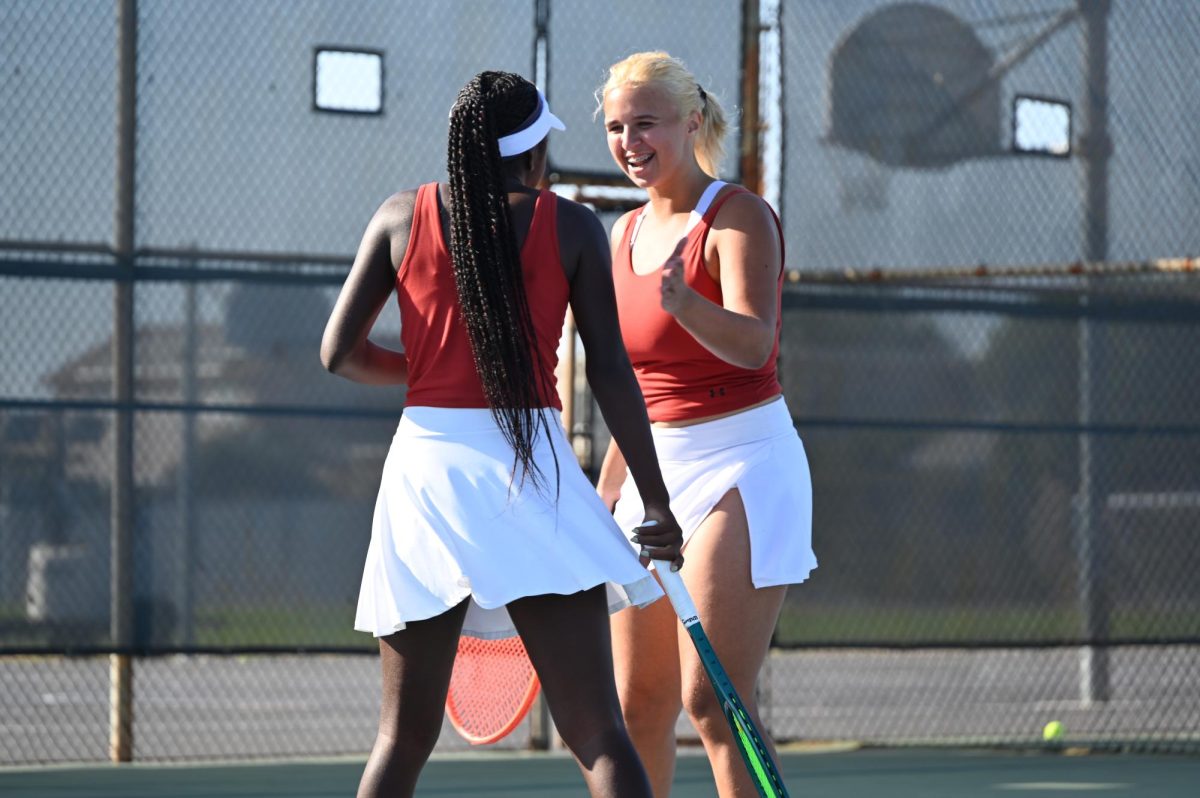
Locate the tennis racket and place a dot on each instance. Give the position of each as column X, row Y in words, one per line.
column 749, row 742
column 492, row 687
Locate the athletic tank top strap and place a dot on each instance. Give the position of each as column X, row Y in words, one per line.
column 428, row 210
column 706, row 199
column 710, row 213
column 632, row 231
column 426, row 227
column 694, row 218
column 541, row 240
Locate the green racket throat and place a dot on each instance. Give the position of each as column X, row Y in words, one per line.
column 750, row 743
column 760, row 769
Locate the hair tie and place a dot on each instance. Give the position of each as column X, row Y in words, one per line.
column 703, row 96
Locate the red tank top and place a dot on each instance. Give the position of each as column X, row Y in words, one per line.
column 680, row 379
column 441, row 370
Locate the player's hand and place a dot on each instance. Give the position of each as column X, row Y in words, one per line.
column 675, row 293
column 660, row 538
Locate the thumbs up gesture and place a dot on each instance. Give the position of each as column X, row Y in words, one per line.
column 675, row 292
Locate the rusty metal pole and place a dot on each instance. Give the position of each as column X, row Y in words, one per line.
column 750, row 156
column 121, row 520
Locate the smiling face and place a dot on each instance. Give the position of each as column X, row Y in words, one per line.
column 649, row 139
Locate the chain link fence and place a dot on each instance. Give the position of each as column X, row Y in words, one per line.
column 1007, row 512
column 1003, row 443
column 1005, row 463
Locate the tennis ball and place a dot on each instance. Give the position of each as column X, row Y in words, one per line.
column 1052, row 731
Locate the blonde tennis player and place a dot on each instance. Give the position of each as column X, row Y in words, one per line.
column 702, row 332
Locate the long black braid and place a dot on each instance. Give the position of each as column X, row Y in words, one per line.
column 487, row 263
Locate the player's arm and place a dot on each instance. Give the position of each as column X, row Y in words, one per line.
column 610, row 375
column 345, row 348
column 746, row 249
column 613, row 466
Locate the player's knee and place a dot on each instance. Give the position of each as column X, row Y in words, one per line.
column 647, row 711
column 701, row 705
column 705, row 710
column 593, row 739
column 582, row 731
column 410, row 743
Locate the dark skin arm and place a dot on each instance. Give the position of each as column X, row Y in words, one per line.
column 584, row 247
column 346, row 349
column 612, row 469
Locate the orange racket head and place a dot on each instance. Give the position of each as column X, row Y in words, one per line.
column 491, row 689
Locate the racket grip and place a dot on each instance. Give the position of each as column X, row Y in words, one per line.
column 677, row 592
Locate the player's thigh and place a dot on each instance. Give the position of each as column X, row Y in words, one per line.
column 738, row 618
column 568, row 641
column 416, row 664
column 646, row 654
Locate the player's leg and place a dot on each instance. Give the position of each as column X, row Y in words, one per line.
column 739, row 621
column 416, row 663
column 567, row 638
column 646, row 660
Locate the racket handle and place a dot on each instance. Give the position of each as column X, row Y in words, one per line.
column 677, row 592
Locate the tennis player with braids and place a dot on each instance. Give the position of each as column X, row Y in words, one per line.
column 703, row 334
column 484, row 523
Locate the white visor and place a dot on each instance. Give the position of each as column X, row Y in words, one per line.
column 533, row 131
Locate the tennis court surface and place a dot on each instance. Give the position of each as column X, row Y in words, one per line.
column 896, row 773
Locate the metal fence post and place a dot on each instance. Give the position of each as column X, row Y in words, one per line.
column 1096, row 148
column 121, row 598
column 185, row 552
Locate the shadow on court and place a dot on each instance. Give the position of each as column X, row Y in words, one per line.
column 896, row 773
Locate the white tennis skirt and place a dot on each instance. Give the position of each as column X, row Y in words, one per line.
column 759, row 453
column 450, row 522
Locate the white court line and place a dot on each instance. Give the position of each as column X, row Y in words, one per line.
column 1063, row 786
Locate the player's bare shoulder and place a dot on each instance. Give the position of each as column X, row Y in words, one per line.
column 744, row 211
column 396, row 212
column 576, row 218
column 580, row 235
column 745, row 225
column 391, row 225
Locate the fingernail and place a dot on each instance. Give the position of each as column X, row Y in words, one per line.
column 674, row 567
column 637, row 539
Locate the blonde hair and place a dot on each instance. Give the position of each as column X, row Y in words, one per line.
column 668, row 72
